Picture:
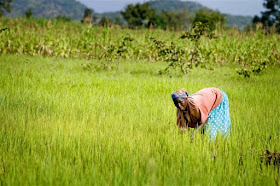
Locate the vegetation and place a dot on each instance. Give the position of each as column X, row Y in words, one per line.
column 86, row 105
column 48, row 9
column 176, row 20
column 177, row 57
column 5, row 5
column 178, row 10
column 209, row 17
column 106, row 22
column 239, row 22
column 140, row 15
column 270, row 17
column 64, row 123
column 28, row 13
column 248, row 51
column 185, row 11
column 87, row 18
column 63, row 18
column 175, row 5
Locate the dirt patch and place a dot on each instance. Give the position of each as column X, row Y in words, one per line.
column 271, row 158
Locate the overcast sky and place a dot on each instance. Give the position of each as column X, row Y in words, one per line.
column 234, row 7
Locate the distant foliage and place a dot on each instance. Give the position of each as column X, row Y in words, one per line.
column 209, row 17
column 105, row 22
column 179, row 15
column 3, row 29
column 254, row 68
column 186, row 60
column 142, row 15
column 63, row 18
column 87, row 18
column 48, row 8
column 174, row 5
column 5, row 5
column 238, row 21
column 182, row 50
column 176, row 20
column 270, row 17
column 139, row 15
column 28, row 13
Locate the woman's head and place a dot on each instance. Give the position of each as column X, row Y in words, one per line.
column 180, row 99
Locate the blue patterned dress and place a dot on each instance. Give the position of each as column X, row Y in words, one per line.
column 219, row 119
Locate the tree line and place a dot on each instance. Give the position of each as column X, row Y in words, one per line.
column 271, row 17
column 143, row 16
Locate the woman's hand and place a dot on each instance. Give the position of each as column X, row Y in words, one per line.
column 197, row 129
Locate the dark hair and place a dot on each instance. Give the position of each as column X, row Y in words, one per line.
column 175, row 102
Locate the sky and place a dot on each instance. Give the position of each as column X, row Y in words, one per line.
column 234, row 7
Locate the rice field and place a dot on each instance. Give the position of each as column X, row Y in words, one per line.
column 64, row 124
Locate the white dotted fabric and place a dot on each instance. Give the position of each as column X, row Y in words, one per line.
column 219, row 119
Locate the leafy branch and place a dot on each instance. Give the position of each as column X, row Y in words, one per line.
column 176, row 57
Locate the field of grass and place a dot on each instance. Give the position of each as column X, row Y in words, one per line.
column 63, row 124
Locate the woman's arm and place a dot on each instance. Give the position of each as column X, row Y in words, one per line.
column 197, row 129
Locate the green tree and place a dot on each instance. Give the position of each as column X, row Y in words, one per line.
column 142, row 15
column 5, row 5
column 63, row 18
column 118, row 21
column 28, row 13
column 87, row 16
column 209, row 17
column 88, row 12
column 105, row 22
column 94, row 20
column 176, row 20
column 139, row 15
column 270, row 17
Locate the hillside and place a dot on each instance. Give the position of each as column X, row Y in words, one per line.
column 75, row 9
column 48, row 8
column 238, row 21
column 167, row 5
column 173, row 5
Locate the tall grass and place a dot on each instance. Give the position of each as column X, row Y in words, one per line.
column 39, row 37
column 62, row 124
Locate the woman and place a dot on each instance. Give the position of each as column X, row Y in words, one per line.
column 208, row 107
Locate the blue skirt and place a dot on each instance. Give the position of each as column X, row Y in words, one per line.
column 219, row 119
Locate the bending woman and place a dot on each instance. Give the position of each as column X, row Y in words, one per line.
column 208, row 107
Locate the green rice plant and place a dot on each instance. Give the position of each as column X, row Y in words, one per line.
column 61, row 124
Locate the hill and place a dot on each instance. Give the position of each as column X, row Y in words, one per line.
column 75, row 9
column 176, row 5
column 48, row 8
column 167, row 5
column 173, row 5
column 238, row 21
